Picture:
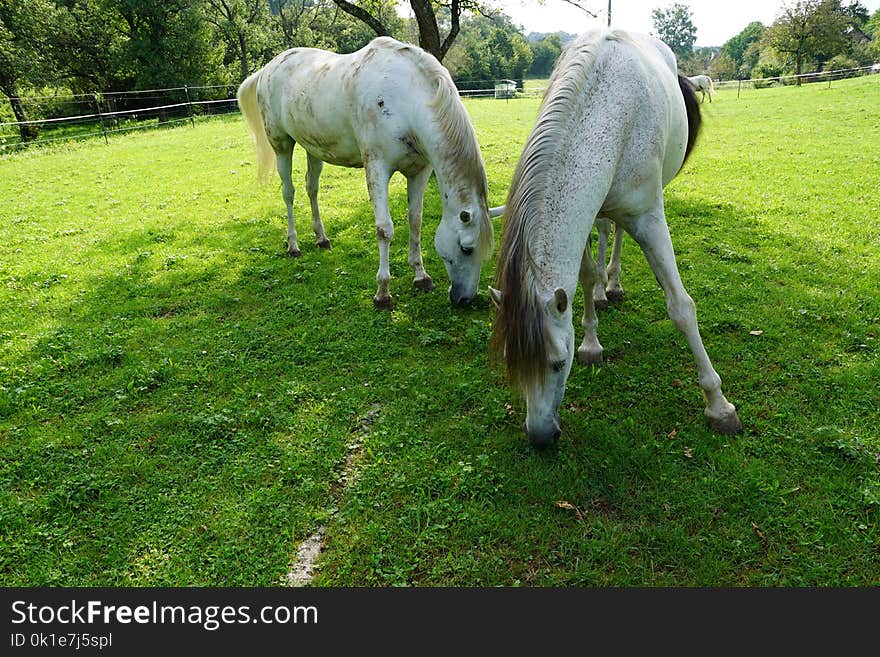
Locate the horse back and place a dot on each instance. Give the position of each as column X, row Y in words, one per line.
column 339, row 107
column 634, row 120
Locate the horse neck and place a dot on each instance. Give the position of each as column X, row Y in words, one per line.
column 454, row 155
column 564, row 200
column 557, row 243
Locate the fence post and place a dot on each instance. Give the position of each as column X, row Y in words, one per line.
column 189, row 104
column 101, row 116
column 739, row 84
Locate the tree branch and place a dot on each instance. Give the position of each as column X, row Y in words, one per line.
column 575, row 3
column 363, row 15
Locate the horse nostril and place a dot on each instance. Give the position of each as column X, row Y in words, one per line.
column 467, row 250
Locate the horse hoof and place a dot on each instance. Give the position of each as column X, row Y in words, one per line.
column 325, row 244
column 384, row 303
column 727, row 425
column 600, row 304
column 587, row 357
column 425, row 284
column 294, row 253
column 615, row 296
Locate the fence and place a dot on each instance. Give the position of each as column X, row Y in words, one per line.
column 67, row 117
column 803, row 78
column 76, row 116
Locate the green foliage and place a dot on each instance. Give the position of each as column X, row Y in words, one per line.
column 810, row 30
column 488, row 49
column 545, row 52
column 675, row 27
column 743, row 50
column 179, row 401
column 24, row 54
column 168, row 43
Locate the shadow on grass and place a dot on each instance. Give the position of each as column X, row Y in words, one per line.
column 185, row 421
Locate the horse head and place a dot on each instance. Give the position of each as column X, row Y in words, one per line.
column 539, row 360
column 463, row 241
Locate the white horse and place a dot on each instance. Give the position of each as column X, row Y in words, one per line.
column 387, row 107
column 607, row 286
column 703, row 84
column 615, row 126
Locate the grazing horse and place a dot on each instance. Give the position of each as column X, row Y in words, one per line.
column 703, row 84
column 388, row 107
column 615, row 126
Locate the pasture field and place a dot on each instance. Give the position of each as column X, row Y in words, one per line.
column 181, row 404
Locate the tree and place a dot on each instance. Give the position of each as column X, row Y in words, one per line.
column 88, row 45
column 426, row 15
column 675, row 27
column 488, row 49
column 544, row 55
column 723, row 67
column 811, row 29
column 167, row 43
column 242, row 24
column 25, row 56
column 872, row 29
column 736, row 48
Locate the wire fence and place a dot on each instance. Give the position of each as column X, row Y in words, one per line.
column 65, row 117
column 60, row 118
column 803, row 78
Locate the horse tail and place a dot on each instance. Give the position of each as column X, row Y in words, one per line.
column 250, row 110
column 694, row 117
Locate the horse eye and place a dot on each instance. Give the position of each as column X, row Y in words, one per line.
column 557, row 366
column 465, row 216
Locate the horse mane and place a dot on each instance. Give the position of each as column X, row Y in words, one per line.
column 460, row 143
column 518, row 331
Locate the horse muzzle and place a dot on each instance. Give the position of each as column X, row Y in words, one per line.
column 459, row 297
column 544, row 437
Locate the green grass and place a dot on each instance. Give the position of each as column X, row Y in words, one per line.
column 178, row 398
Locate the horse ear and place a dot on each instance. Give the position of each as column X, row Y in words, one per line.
column 560, row 300
column 496, row 296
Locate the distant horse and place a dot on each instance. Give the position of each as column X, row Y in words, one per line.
column 703, row 84
column 388, row 107
column 616, row 125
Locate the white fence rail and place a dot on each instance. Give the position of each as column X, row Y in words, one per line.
column 106, row 114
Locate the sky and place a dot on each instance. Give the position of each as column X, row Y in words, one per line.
column 716, row 20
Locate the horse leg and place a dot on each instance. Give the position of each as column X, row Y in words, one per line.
column 415, row 194
column 612, row 287
column 313, row 174
column 378, row 176
column 590, row 351
column 603, row 227
column 652, row 235
column 284, row 164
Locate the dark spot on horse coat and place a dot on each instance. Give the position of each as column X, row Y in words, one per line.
column 411, row 143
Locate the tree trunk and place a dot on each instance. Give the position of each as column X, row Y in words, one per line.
column 363, row 15
column 429, row 33
column 28, row 132
column 242, row 47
